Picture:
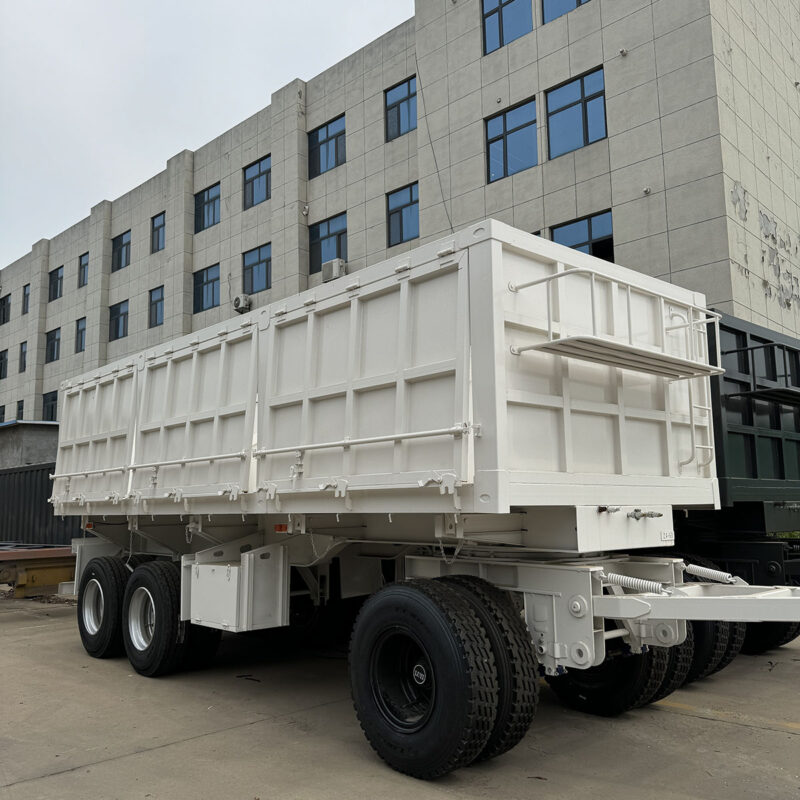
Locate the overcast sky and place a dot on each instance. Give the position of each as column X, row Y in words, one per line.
column 96, row 95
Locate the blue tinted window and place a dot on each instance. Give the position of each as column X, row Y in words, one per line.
column 403, row 209
column 206, row 208
column 52, row 349
column 326, row 147
column 118, row 321
column 206, row 288
column 504, row 21
column 156, row 308
column 258, row 182
column 157, row 232
column 83, row 270
column 49, row 407
column 257, row 269
column 511, row 141
column 401, row 109
column 327, row 240
column 80, row 335
column 591, row 235
column 576, row 114
column 556, row 8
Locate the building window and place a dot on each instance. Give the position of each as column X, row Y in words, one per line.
column 80, row 335
column 402, row 207
column 511, row 141
column 83, row 270
column 23, row 356
column 158, row 225
column 206, row 288
column 556, row 8
column 593, row 235
column 155, row 315
column 55, row 284
column 5, row 307
column 401, row 109
column 206, row 208
column 52, row 350
column 50, row 406
column 504, row 21
column 3, row 364
column 257, row 269
column 327, row 240
column 326, row 147
column 258, row 182
column 118, row 321
column 121, row 251
column 20, row 408
column 576, row 114
column 26, row 300
column 2, row 413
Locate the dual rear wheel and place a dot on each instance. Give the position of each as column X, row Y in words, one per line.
column 138, row 613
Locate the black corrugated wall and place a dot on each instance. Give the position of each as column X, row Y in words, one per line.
column 25, row 514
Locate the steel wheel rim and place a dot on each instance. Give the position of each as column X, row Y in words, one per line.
column 93, row 606
column 141, row 618
column 402, row 680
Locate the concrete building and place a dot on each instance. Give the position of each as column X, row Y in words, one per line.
column 679, row 117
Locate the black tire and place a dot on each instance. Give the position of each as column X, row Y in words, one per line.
column 763, row 636
column 100, row 597
column 736, row 630
column 423, row 678
column 517, row 673
column 200, row 646
column 680, row 661
column 712, row 638
column 622, row 682
column 152, row 630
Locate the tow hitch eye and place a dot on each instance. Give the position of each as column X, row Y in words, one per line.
column 638, row 514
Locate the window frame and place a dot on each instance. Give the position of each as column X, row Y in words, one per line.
column 498, row 9
column 55, row 284
column 249, row 269
column 83, row 269
column 5, row 308
column 20, row 409
column 50, row 406
column 545, row 21
column 80, row 335
column 201, row 286
column 202, row 201
column 155, row 304
column 26, row 299
column 23, row 356
column 248, row 183
column 504, row 138
column 2, row 413
column 591, row 241
column 121, row 251
column 158, row 232
column 339, row 236
column 583, row 102
column 120, row 330
column 399, row 210
column 52, row 345
column 387, row 107
column 3, row 364
column 340, row 147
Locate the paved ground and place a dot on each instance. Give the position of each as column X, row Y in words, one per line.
column 260, row 725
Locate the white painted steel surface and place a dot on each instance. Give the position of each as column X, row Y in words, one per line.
column 421, row 384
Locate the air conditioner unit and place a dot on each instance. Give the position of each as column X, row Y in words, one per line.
column 241, row 303
column 333, row 269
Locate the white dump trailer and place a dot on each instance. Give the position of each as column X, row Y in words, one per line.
column 484, row 438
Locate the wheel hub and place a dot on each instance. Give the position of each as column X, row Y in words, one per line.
column 93, row 606
column 141, row 618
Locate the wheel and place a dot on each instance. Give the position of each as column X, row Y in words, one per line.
column 736, row 630
column 680, row 661
column 201, row 645
column 100, row 595
column 517, row 674
column 423, row 678
column 763, row 636
column 152, row 630
column 622, row 682
column 712, row 638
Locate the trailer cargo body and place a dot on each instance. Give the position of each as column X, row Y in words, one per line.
column 488, row 412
